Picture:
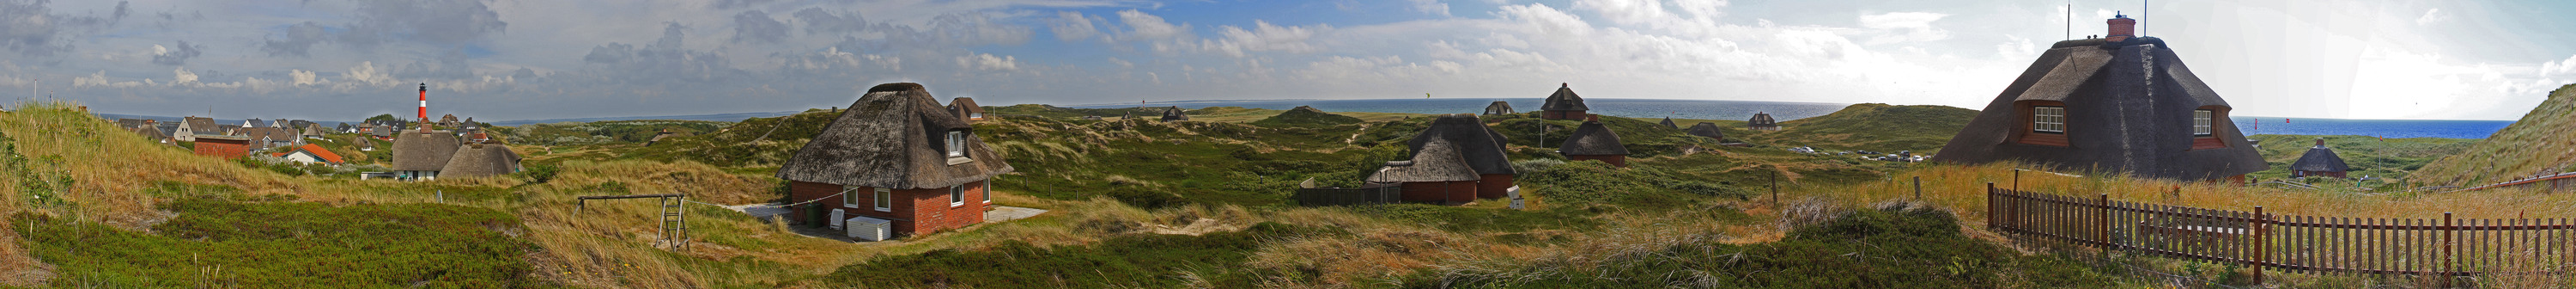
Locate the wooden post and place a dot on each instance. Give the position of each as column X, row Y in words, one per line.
column 2261, row 244
column 2446, row 250
column 1991, row 210
column 1775, row 187
column 2101, row 220
column 1918, row 188
column 2016, row 180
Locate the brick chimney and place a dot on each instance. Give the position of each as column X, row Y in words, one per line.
column 2122, row 28
column 2321, row 141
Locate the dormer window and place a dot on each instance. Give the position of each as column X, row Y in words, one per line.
column 2200, row 120
column 2043, row 123
column 957, row 143
column 2048, row 119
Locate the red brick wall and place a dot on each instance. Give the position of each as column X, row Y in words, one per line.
column 1460, row 192
column 915, row 211
column 1614, row 160
column 1494, row 186
column 222, row 150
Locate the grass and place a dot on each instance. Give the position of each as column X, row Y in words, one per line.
column 227, row 243
column 2535, row 145
column 2368, row 156
column 1871, row 126
column 1125, row 261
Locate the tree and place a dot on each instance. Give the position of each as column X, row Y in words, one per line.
column 382, row 117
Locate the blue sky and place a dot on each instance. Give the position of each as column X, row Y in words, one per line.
column 528, row 59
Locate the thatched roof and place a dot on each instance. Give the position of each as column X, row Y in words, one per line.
column 312, row 130
column 1668, row 122
column 480, row 160
column 1592, row 139
column 2128, row 107
column 1761, row 119
column 1564, row 99
column 1481, row 146
column 150, row 132
column 1499, row 107
column 417, row 150
column 1175, row 114
column 893, row 137
column 2320, row 159
column 1707, row 129
column 1436, row 161
column 964, row 106
column 343, row 127
column 130, row 123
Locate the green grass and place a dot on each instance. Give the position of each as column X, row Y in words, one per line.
column 1306, row 118
column 1144, row 260
column 220, row 238
column 1464, row 219
column 2536, row 145
column 1881, row 248
column 2368, row 156
column 602, row 132
column 1871, row 126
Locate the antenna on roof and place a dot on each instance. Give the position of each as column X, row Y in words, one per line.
column 2070, row 19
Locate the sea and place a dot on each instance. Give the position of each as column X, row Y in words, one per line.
column 1739, row 109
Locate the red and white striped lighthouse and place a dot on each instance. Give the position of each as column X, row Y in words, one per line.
column 424, row 102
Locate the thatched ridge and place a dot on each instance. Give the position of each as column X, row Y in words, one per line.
column 1499, row 107
column 1708, row 129
column 480, row 160
column 1564, row 99
column 1175, row 114
column 894, row 136
column 2320, row 159
column 1437, row 161
column 2128, row 107
column 423, row 150
column 1480, row 146
column 1592, row 139
column 1668, row 122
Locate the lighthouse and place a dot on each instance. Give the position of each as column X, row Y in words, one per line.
column 424, row 102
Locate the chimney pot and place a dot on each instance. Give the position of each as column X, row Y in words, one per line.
column 1562, row 85
column 2122, row 27
column 2321, row 141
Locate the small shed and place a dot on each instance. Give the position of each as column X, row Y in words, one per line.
column 223, row 146
column 1594, row 141
column 1708, row 130
column 2320, row 161
column 1668, row 122
column 1564, row 104
column 1175, row 114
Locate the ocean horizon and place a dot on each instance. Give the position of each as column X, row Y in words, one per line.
column 1784, row 111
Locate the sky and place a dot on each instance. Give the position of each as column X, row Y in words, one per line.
column 543, row 59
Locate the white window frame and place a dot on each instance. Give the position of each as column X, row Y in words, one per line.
column 988, row 191
column 956, row 196
column 2201, row 120
column 849, row 199
column 957, row 143
column 884, row 200
column 2048, row 119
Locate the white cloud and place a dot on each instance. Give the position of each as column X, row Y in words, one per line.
column 1070, row 26
column 2431, row 16
column 1433, row 7
column 181, row 76
column 1264, row 37
column 1904, row 27
column 1141, row 26
column 988, row 62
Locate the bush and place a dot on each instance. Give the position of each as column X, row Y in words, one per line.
column 539, row 174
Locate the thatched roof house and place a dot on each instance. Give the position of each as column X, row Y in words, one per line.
column 2129, row 105
column 1762, row 121
column 2319, row 162
column 1668, row 122
column 421, row 153
column 151, row 132
column 1175, row 114
column 966, row 109
column 1499, row 108
column 1594, row 141
column 897, row 144
column 1436, row 174
column 1480, row 146
column 1564, row 104
column 1709, row 130
column 478, row 159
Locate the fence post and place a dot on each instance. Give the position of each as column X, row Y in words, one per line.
column 2262, row 243
column 2102, row 220
column 1918, row 188
column 1993, row 213
column 2446, row 250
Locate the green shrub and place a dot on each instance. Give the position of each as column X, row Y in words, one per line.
column 291, row 244
column 539, row 174
column 1142, row 260
column 1895, row 247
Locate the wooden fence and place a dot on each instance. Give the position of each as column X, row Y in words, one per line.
column 2305, row 244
